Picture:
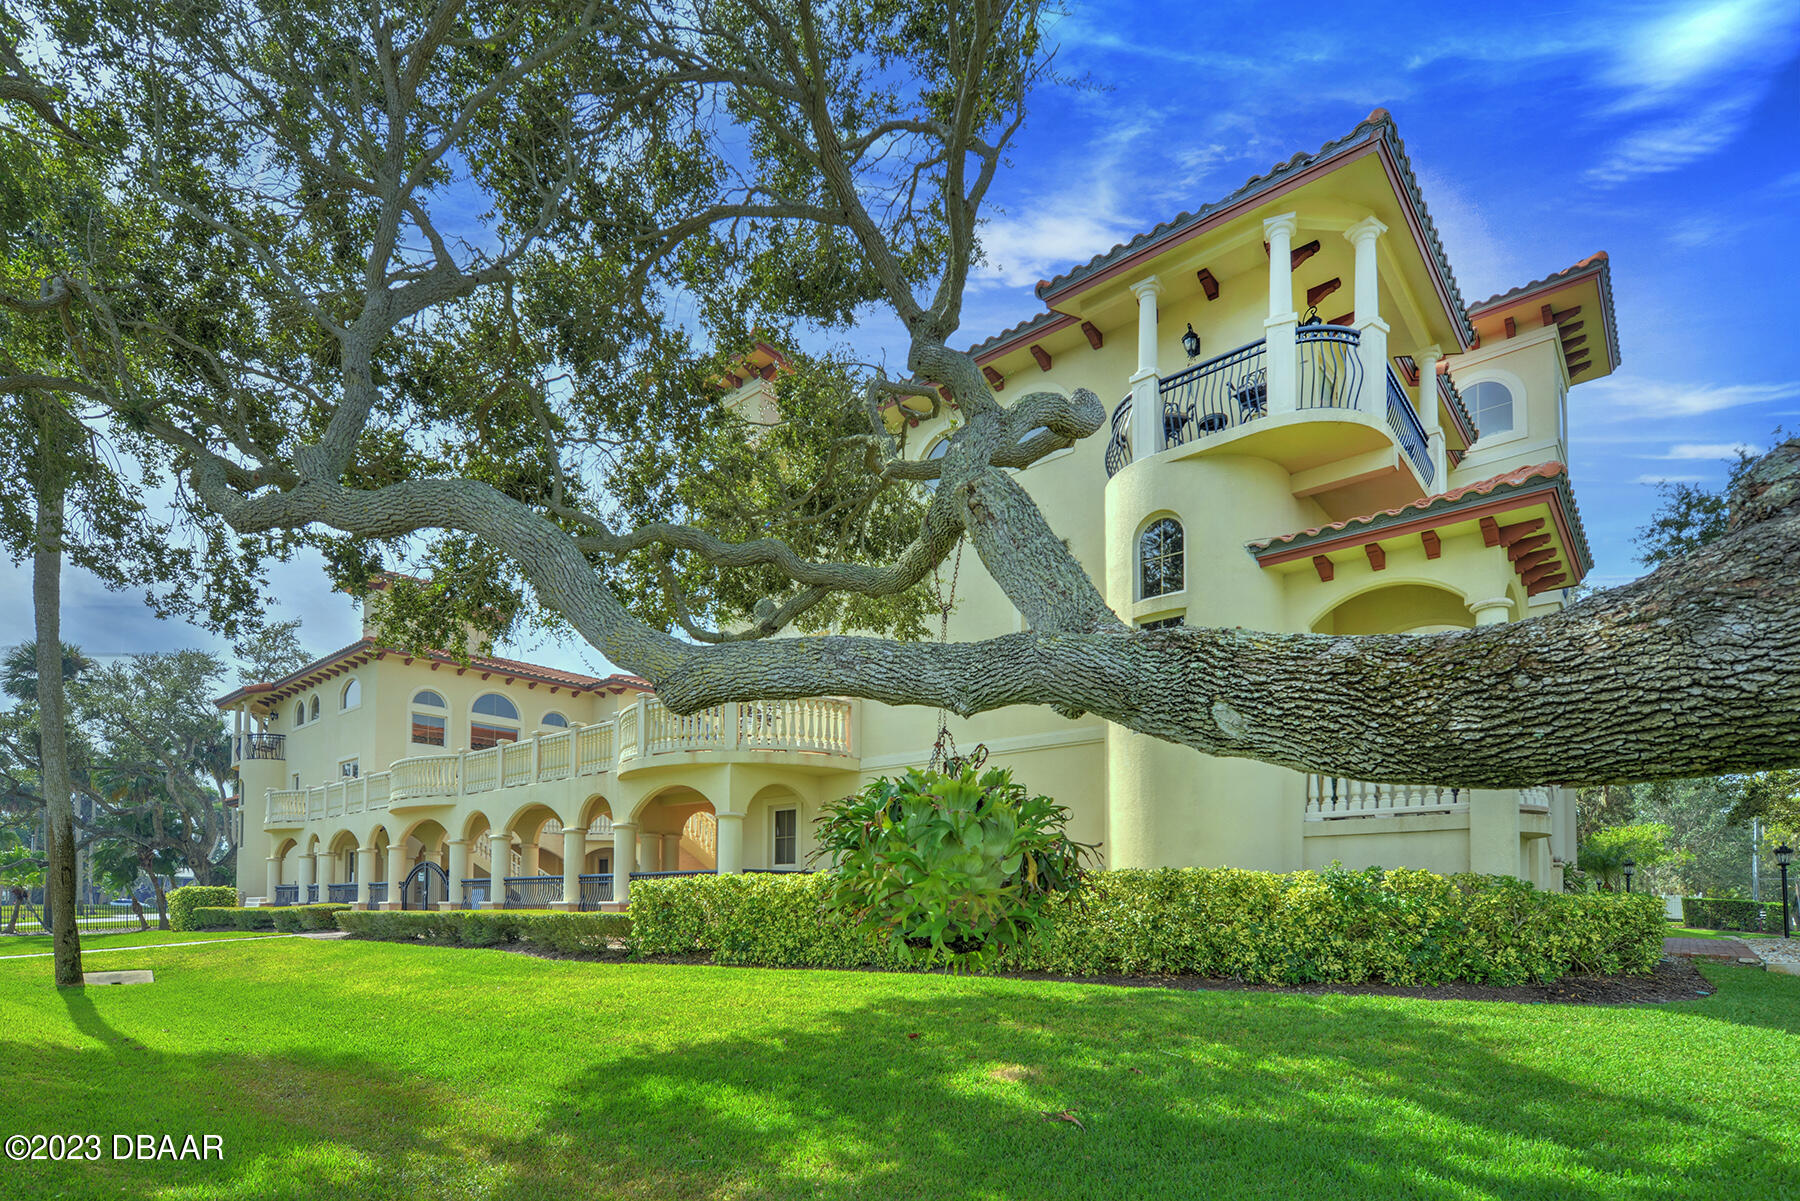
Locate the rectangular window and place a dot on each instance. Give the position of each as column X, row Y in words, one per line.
column 787, row 838
column 481, row 735
column 1161, row 623
column 349, row 769
column 428, row 729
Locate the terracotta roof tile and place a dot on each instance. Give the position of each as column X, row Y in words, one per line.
column 1517, row 477
column 1599, row 261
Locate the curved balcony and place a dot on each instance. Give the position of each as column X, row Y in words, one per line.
column 1227, row 399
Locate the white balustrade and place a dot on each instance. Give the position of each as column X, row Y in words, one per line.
column 1335, row 796
column 702, row 829
column 813, row 725
column 285, row 806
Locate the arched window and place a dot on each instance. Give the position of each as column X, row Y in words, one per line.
column 1490, row 403
column 553, row 718
column 494, row 720
column 1160, row 569
column 313, row 713
column 352, row 695
column 938, row 450
column 299, row 713
column 428, row 727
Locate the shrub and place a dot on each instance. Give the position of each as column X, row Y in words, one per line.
column 952, row 869
column 1336, row 926
column 1726, row 913
column 215, row 917
column 292, row 919
column 182, row 902
column 564, row 933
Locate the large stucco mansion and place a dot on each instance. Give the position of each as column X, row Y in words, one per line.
column 1311, row 431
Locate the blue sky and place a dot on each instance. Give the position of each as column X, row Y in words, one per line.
column 1666, row 135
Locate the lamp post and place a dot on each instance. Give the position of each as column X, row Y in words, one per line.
column 1630, row 866
column 1784, row 855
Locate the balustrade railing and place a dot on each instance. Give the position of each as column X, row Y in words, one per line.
column 378, row 891
column 532, row 892
column 1408, row 430
column 1224, row 392
column 596, row 890
column 807, row 725
column 1330, row 375
column 341, row 894
column 702, row 829
column 1335, row 796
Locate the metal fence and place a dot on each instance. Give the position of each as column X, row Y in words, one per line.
column 532, row 892
column 596, row 890
column 27, row 914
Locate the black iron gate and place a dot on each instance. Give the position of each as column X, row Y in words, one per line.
column 425, row 886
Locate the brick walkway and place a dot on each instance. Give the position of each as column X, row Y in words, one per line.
column 1731, row 950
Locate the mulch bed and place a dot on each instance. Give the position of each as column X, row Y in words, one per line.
column 1672, row 980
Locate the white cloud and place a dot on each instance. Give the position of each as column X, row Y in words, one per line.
column 1669, row 479
column 1709, row 450
column 1671, row 143
column 1639, row 399
column 1482, row 264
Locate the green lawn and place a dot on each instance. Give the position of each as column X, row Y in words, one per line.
column 38, row 944
column 1689, row 932
column 370, row 1070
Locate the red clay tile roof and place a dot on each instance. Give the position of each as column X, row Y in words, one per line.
column 511, row 667
column 1449, row 501
column 1599, row 263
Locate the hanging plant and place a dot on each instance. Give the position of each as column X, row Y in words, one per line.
column 955, row 870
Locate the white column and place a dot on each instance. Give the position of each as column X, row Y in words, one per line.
column 574, row 851
column 1278, row 329
column 730, row 843
column 624, row 859
column 528, row 856
column 396, row 872
column 274, row 877
column 499, row 867
column 671, row 852
column 365, row 872
column 1146, row 423
column 1494, row 611
column 1428, row 357
column 459, row 867
column 307, row 878
column 1371, row 329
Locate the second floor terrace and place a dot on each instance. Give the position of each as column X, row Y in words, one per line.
column 819, row 733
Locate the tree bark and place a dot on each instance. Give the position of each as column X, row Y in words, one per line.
column 59, row 805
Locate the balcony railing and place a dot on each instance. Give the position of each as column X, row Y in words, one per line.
column 532, row 892
column 261, row 746
column 1407, row 429
column 1330, row 797
column 823, row 726
column 1231, row 390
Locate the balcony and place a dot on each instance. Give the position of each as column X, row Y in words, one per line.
column 1334, row 798
column 808, row 732
column 1230, row 395
column 259, row 746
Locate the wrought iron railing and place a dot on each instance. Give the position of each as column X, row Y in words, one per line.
column 532, row 892
column 1330, row 375
column 475, row 892
column 1407, row 429
column 596, row 890
column 287, row 894
column 672, row 875
column 1118, row 445
column 1222, row 393
column 341, row 894
column 261, row 746
column 312, row 894
column 377, row 892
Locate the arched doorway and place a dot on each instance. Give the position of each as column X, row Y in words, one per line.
column 677, row 832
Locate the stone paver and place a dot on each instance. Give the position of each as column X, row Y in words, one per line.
column 143, row 977
column 1729, row 950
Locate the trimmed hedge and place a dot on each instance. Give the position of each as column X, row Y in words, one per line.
column 182, row 902
column 565, row 933
column 1397, row 927
column 1723, row 913
column 296, row 919
column 222, row 917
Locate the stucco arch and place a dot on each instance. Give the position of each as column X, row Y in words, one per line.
column 594, row 807
column 1493, row 372
column 669, row 798
column 1413, row 601
column 429, row 832
column 529, row 818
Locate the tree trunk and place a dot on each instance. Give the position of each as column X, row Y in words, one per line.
column 162, row 907
column 46, row 585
